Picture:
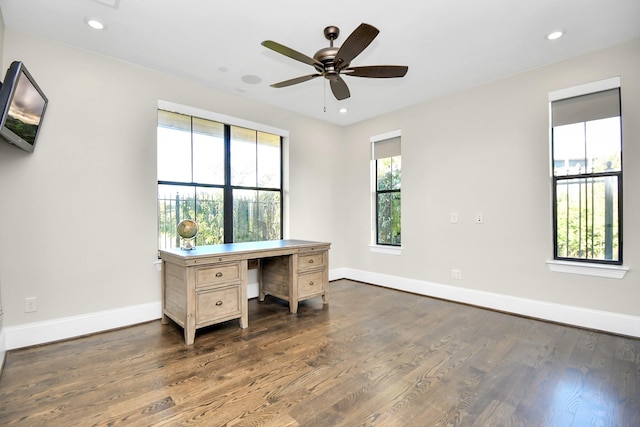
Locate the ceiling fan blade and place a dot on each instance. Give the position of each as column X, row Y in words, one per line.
column 357, row 41
column 293, row 54
column 376, row 71
column 339, row 89
column 295, row 81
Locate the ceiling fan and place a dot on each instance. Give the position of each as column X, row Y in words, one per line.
column 332, row 62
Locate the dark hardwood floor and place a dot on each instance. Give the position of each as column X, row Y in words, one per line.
column 373, row 357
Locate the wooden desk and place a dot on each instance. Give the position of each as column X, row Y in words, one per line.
column 208, row 284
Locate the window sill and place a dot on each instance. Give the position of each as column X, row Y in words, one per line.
column 586, row 269
column 391, row 250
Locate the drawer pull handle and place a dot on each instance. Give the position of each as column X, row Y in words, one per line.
column 219, row 274
column 219, row 303
column 311, row 283
column 310, row 261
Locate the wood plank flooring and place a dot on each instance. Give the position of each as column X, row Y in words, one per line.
column 373, row 357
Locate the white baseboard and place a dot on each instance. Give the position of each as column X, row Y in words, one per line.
column 29, row 334
column 571, row 315
column 12, row 337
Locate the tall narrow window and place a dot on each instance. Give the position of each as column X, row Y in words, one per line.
column 587, row 175
column 226, row 178
column 387, row 165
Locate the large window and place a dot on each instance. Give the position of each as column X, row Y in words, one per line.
column 387, row 168
column 227, row 178
column 587, row 175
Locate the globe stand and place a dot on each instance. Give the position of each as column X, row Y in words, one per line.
column 187, row 244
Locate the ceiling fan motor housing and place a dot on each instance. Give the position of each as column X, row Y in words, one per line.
column 327, row 57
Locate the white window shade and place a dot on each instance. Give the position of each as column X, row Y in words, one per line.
column 170, row 120
column 386, row 148
column 584, row 108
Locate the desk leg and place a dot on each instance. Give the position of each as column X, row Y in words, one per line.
column 190, row 318
column 164, row 319
column 293, row 283
column 325, row 278
column 189, row 335
column 244, row 303
column 261, row 293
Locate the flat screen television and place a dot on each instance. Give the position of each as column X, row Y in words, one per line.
column 22, row 107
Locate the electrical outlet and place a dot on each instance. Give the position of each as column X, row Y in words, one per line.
column 454, row 217
column 479, row 218
column 456, row 274
column 30, row 304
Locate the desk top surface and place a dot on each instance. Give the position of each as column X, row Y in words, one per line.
column 247, row 248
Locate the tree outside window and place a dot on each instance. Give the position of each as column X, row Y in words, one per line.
column 388, row 200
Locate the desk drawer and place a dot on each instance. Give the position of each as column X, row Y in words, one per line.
column 218, row 303
column 310, row 261
column 222, row 273
column 310, row 284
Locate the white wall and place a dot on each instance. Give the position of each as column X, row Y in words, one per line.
column 78, row 217
column 487, row 150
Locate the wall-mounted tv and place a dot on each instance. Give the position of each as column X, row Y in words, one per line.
column 22, row 107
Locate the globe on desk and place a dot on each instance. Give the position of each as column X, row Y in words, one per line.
column 187, row 230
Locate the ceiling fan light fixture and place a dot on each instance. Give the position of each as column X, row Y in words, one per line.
column 343, row 110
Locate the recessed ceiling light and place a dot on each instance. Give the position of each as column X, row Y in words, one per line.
column 343, row 110
column 555, row 35
column 95, row 24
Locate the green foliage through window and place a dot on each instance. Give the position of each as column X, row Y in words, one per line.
column 388, row 201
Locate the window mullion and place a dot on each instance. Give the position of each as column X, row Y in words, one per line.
column 567, row 250
column 228, row 190
column 191, row 138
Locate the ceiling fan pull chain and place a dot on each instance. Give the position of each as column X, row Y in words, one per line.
column 324, row 95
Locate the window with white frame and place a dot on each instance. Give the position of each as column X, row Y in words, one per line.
column 386, row 164
column 227, row 178
column 586, row 164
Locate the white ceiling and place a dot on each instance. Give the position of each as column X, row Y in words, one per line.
column 449, row 45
